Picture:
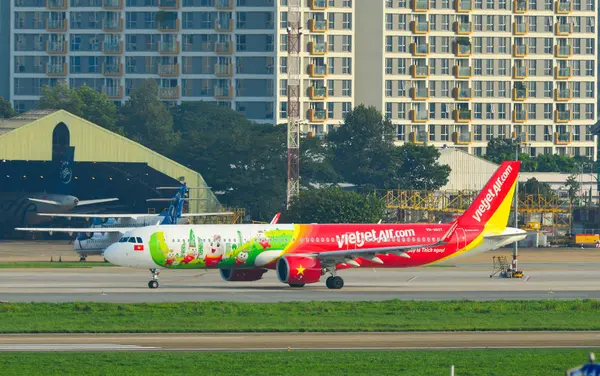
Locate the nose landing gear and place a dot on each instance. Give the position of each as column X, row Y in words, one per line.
column 153, row 283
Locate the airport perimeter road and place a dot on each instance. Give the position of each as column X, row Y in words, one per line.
column 297, row 341
column 130, row 285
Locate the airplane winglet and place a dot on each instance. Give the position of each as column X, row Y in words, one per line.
column 275, row 219
column 448, row 235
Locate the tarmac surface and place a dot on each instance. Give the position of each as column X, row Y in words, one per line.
column 549, row 274
column 298, row 341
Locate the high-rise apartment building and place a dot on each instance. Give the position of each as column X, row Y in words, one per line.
column 459, row 72
column 5, row 49
column 232, row 52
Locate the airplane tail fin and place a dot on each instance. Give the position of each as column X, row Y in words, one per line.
column 174, row 212
column 491, row 208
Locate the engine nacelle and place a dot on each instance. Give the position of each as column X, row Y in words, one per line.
column 240, row 275
column 298, row 270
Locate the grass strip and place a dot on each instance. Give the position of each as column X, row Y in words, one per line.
column 391, row 315
column 531, row 362
column 48, row 264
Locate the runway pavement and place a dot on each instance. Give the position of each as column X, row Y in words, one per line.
column 103, row 284
column 297, row 341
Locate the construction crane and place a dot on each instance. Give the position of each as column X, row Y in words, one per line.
column 294, row 29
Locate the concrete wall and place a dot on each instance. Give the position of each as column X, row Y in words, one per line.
column 369, row 53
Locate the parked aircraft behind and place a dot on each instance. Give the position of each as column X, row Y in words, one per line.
column 302, row 253
column 95, row 240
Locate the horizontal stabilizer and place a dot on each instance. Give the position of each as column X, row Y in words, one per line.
column 50, row 202
column 98, row 201
column 67, row 215
column 206, row 214
column 75, row 230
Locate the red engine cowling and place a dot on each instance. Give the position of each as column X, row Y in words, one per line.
column 240, row 275
column 299, row 270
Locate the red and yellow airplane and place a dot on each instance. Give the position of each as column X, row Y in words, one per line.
column 303, row 254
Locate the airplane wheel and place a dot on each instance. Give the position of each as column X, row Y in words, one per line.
column 328, row 282
column 335, row 283
column 153, row 284
column 296, row 285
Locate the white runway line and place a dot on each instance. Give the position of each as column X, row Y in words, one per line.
column 74, row 347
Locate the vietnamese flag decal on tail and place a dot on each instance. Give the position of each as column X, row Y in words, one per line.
column 138, row 247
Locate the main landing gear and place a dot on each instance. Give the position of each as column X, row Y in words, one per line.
column 334, row 282
column 153, row 283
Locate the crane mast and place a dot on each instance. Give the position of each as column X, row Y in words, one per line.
column 294, row 30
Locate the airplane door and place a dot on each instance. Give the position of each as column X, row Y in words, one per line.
column 461, row 239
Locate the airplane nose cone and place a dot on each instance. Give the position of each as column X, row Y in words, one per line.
column 111, row 254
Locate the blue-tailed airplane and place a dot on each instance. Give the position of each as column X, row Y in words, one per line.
column 95, row 239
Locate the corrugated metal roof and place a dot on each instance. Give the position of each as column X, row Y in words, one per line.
column 468, row 172
column 7, row 125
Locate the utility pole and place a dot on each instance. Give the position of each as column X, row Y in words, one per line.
column 516, row 224
column 294, row 30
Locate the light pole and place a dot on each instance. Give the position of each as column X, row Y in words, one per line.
column 516, row 224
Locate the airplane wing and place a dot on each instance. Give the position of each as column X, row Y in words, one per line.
column 98, row 201
column 121, row 230
column 67, row 215
column 348, row 255
column 205, row 214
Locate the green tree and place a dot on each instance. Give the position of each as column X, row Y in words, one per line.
column 84, row 102
column 244, row 162
column 6, row 110
column 146, row 120
column 534, row 187
column 572, row 188
column 315, row 162
column 334, row 205
column 418, row 167
column 363, row 148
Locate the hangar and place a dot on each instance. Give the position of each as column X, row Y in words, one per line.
column 34, row 144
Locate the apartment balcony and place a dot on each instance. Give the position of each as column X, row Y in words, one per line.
column 519, row 116
column 463, row 116
column 224, row 48
column 520, row 93
column 419, row 138
column 563, row 95
column 565, row 51
column 420, row 27
column 224, row 26
column 112, row 70
column 420, row 5
column 317, row 116
column 462, row 138
column 223, row 92
column 520, row 71
column 56, row 70
column 317, row 71
column 317, row 93
column 57, row 26
column 112, row 48
column 169, row 26
column 520, row 50
column 464, row 72
column 563, row 73
column 520, row 28
column 223, row 70
column 463, row 93
column 168, row 70
column 520, row 6
column 419, row 93
column 419, row 49
column 317, row 26
column 317, row 48
column 113, row 92
column 56, row 47
column 463, row 28
column 168, row 48
column 57, row 4
column 563, row 138
column 224, row 4
column 112, row 25
column 522, row 137
column 318, row 4
column 168, row 92
column 464, row 6
column 563, row 7
column 112, row 4
column 462, row 49
column 563, row 29
column 419, row 71
column 419, row 116
column 168, row 4
column 562, row 116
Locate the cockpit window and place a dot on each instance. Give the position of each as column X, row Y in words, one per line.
column 139, row 240
column 123, row 240
column 131, row 240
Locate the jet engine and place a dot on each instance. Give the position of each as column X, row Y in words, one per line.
column 240, row 275
column 299, row 270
